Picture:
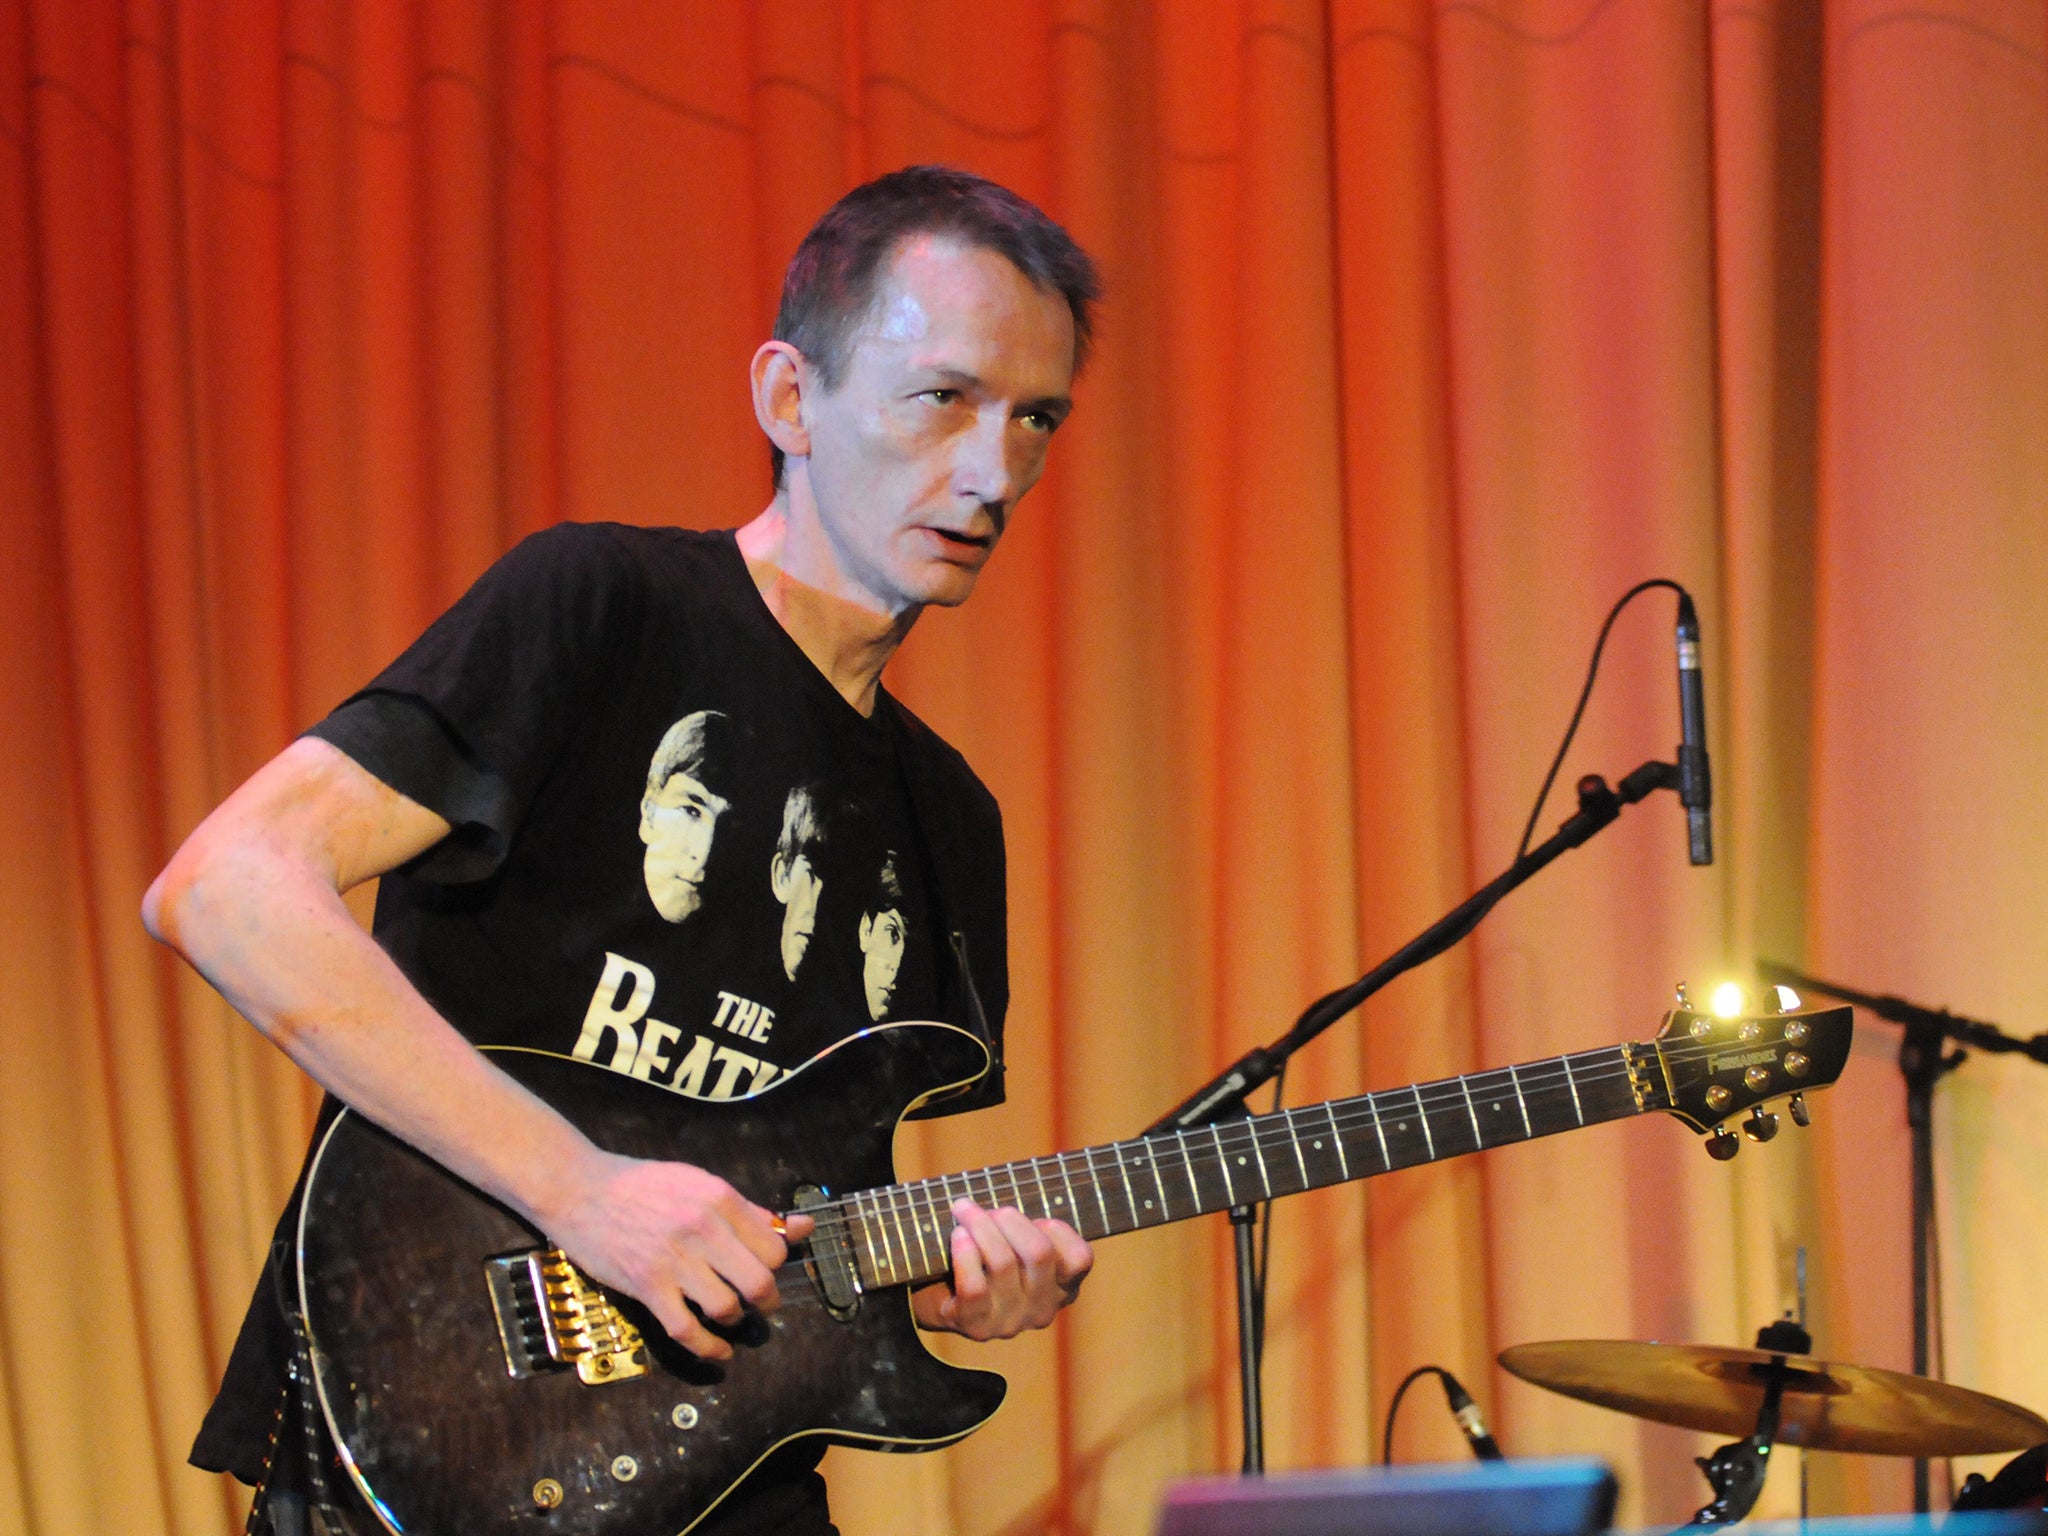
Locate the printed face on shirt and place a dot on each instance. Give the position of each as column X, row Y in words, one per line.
column 798, row 887
column 881, row 947
column 956, row 381
column 677, row 823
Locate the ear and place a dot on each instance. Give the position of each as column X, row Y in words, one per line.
column 780, row 376
column 778, row 877
column 867, row 929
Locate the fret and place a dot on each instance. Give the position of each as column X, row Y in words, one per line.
column 1037, row 1166
column 1294, row 1136
column 1124, row 1170
column 1343, row 1160
column 917, row 1226
column 1465, row 1086
column 882, row 1219
column 1095, row 1183
column 1379, row 1130
column 1514, row 1079
column 1187, row 1160
column 868, row 1233
column 1223, row 1162
column 1569, row 1082
column 1259, row 1153
column 1428, row 1140
column 901, row 1205
column 1159, row 1183
column 1067, row 1183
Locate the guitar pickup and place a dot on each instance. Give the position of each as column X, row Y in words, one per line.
column 551, row 1318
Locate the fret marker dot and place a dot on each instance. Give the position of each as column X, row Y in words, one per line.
column 1148, row 1205
column 1240, row 1162
column 1059, row 1199
column 1319, row 1146
column 1400, row 1125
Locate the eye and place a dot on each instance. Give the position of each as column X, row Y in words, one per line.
column 1043, row 422
column 939, row 396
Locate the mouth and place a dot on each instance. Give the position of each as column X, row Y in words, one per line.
column 960, row 542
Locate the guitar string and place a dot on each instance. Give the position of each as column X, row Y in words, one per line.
column 927, row 1202
column 1429, row 1098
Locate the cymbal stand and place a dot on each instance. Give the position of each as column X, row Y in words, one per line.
column 1737, row 1470
column 1924, row 1059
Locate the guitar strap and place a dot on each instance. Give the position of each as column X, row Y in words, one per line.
column 297, row 1427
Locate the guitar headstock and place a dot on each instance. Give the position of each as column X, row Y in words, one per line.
column 1717, row 1063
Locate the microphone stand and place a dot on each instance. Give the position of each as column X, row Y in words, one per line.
column 1224, row 1096
column 1923, row 1061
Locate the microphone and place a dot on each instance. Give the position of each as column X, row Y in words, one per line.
column 1695, row 779
column 1466, row 1412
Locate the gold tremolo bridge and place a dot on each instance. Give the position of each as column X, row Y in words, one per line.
column 551, row 1317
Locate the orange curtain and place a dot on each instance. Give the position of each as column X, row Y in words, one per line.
column 1433, row 325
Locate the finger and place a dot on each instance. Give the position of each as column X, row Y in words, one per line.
column 796, row 1226
column 686, row 1328
column 970, row 1276
column 714, row 1242
column 1073, row 1255
column 998, row 1258
column 1034, row 1250
column 714, row 1297
column 762, row 1232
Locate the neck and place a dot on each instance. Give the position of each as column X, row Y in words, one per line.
column 847, row 640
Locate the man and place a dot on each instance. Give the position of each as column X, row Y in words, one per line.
column 930, row 329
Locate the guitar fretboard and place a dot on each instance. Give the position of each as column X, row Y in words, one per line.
column 900, row 1234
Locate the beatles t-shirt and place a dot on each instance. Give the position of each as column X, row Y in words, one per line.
column 677, row 852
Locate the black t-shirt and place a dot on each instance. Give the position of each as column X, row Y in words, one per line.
column 678, row 852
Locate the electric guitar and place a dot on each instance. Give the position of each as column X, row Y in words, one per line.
column 476, row 1383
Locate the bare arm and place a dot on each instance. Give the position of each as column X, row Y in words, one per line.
column 253, row 901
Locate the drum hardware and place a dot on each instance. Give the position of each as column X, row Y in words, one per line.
column 1924, row 1059
column 1778, row 1394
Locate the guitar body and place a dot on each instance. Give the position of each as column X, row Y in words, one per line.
column 415, row 1378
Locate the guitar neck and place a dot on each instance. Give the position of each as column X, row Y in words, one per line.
column 901, row 1233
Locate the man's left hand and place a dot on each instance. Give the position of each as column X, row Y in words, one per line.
column 1009, row 1274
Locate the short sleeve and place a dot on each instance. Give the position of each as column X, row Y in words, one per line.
column 469, row 720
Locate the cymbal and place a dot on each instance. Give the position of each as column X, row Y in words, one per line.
column 1825, row 1406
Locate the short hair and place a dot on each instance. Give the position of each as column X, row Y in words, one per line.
column 704, row 746
column 803, row 824
column 888, row 892
column 832, row 279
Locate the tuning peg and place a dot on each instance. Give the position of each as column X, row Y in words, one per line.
column 1684, row 999
column 1723, row 1144
column 1762, row 1125
column 1801, row 1115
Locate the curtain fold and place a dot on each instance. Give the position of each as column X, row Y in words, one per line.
column 1432, row 326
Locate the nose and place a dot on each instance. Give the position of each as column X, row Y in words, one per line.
column 981, row 461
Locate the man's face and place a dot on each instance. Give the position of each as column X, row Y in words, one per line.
column 953, row 387
column 676, row 823
column 798, row 887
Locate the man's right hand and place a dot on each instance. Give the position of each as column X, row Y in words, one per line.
column 675, row 1236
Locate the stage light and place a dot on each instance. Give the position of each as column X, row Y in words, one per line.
column 1729, row 1001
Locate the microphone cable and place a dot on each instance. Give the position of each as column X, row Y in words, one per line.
column 1470, row 1423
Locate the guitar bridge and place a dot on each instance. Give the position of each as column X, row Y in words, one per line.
column 551, row 1318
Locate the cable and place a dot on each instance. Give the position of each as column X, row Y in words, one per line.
column 1265, row 1225
column 1586, row 693
column 1394, row 1407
